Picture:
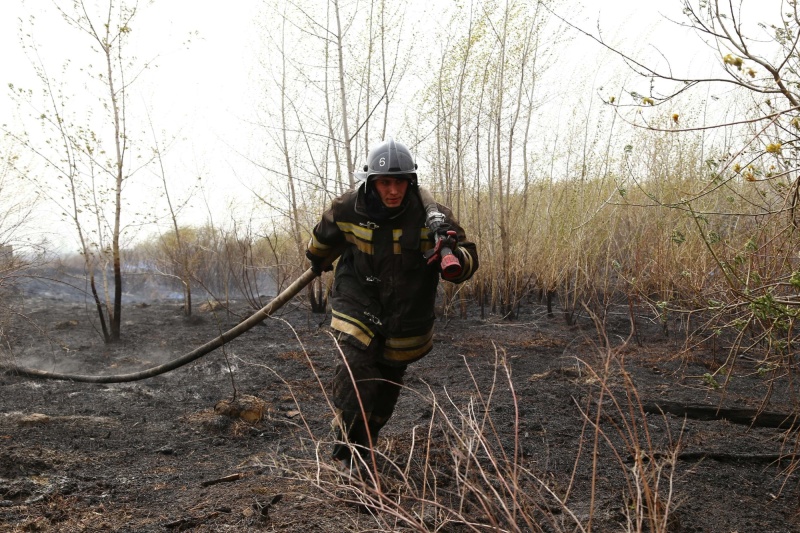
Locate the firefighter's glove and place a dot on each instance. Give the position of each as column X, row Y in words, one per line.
column 444, row 237
column 317, row 264
column 442, row 242
column 440, row 232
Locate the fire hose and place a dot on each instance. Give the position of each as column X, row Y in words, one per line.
column 254, row 319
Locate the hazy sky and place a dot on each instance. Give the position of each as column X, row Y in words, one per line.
column 208, row 78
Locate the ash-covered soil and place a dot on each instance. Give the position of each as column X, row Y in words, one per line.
column 530, row 407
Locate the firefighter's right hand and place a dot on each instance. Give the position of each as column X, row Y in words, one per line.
column 317, row 264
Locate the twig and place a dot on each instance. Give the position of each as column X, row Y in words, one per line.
column 183, row 524
column 226, row 479
column 750, row 417
column 722, row 457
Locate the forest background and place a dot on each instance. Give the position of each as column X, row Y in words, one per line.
column 598, row 161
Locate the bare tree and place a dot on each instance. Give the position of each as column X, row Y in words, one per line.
column 317, row 139
column 90, row 148
column 179, row 252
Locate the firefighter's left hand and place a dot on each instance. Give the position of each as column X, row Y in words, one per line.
column 438, row 227
column 446, row 239
column 444, row 235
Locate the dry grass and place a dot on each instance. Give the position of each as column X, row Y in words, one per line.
column 466, row 471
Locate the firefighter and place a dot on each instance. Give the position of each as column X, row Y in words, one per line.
column 399, row 243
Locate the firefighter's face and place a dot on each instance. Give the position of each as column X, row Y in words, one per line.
column 391, row 190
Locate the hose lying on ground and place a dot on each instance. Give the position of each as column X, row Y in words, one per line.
column 256, row 318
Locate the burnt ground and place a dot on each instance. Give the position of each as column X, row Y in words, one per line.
column 526, row 424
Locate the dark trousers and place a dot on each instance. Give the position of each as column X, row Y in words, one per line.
column 365, row 392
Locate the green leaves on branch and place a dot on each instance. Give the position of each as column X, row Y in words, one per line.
column 794, row 280
column 764, row 307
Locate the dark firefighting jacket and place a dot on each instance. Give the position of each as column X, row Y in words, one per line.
column 383, row 289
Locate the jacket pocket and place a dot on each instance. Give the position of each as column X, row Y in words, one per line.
column 410, row 249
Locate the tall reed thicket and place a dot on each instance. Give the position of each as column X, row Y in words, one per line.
column 688, row 237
